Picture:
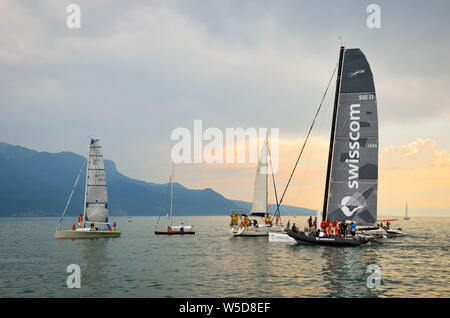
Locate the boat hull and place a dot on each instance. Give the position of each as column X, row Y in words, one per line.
column 250, row 231
column 281, row 237
column 395, row 233
column 85, row 234
column 333, row 240
column 174, row 233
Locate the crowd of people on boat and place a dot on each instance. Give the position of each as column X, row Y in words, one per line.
column 244, row 220
column 327, row 228
column 109, row 228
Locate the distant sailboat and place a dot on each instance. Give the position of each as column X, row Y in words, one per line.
column 171, row 229
column 406, row 212
column 257, row 224
column 95, row 222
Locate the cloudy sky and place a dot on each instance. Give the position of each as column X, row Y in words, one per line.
column 136, row 70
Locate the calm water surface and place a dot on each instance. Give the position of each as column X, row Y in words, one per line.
column 211, row 263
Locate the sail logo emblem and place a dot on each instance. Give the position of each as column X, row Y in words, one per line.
column 355, row 73
column 354, row 146
column 352, row 204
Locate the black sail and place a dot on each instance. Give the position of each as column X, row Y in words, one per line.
column 353, row 181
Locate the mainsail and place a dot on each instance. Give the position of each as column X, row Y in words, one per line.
column 353, row 167
column 260, row 188
column 96, row 196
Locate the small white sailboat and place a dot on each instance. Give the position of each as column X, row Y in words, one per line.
column 171, row 229
column 94, row 223
column 257, row 223
column 406, row 212
column 129, row 219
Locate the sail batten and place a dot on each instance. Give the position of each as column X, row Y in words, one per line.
column 353, row 181
column 96, row 195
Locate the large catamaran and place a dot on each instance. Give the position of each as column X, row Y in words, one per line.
column 352, row 171
column 95, row 220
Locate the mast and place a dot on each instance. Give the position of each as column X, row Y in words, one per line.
column 171, row 195
column 267, row 175
column 86, row 185
column 333, row 128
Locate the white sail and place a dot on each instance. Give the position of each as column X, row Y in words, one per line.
column 406, row 212
column 96, row 196
column 260, row 188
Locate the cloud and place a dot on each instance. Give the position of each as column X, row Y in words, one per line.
column 136, row 70
column 416, row 173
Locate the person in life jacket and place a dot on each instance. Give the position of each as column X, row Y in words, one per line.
column 353, row 228
column 244, row 221
column 80, row 219
column 276, row 219
column 335, row 231
column 73, row 227
column 328, row 229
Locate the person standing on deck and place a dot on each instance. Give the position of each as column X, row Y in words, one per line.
column 80, row 219
column 328, row 229
column 310, row 223
column 114, row 226
column 353, row 228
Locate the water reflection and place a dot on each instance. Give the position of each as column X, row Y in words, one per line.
column 93, row 258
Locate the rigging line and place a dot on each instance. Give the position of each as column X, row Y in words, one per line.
column 164, row 200
column 307, row 136
column 70, row 197
column 321, row 121
column 274, row 185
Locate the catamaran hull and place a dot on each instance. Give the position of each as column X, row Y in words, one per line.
column 85, row 234
column 334, row 241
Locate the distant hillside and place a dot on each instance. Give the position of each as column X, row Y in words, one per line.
column 38, row 184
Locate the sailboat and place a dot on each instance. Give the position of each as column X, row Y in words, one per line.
column 256, row 223
column 352, row 170
column 406, row 212
column 171, row 229
column 94, row 223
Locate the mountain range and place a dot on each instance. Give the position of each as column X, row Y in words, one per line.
column 36, row 183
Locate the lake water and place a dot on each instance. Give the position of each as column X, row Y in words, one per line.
column 211, row 263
